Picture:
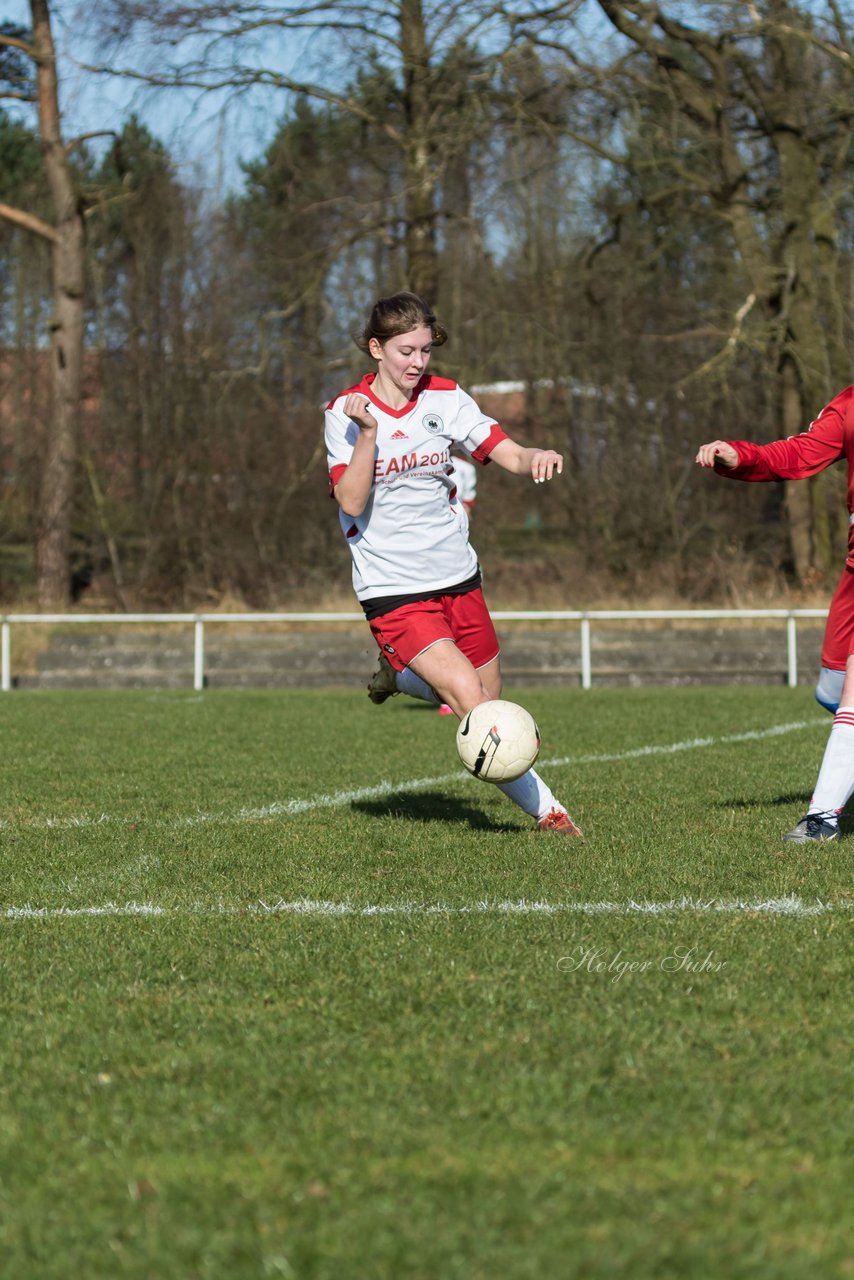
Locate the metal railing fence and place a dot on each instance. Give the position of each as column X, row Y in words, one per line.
column 584, row 617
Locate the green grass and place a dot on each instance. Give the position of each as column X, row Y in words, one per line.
column 447, row 1089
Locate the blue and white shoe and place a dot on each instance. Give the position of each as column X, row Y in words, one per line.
column 813, row 827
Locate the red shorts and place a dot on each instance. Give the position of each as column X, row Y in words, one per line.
column 406, row 632
column 839, row 629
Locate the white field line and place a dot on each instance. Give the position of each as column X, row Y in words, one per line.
column 790, row 906
column 383, row 790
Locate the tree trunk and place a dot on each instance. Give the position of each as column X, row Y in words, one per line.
column 419, row 169
column 798, row 496
column 794, row 274
column 806, row 323
column 53, row 551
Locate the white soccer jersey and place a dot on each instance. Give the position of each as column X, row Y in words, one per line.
column 413, row 534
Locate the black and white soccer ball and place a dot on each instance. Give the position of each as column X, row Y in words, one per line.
column 498, row 741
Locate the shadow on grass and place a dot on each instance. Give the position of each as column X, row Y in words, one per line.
column 758, row 802
column 432, row 806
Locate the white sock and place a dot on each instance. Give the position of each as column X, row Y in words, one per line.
column 408, row 682
column 531, row 794
column 836, row 775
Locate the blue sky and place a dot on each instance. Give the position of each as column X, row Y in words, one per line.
column 206, row 141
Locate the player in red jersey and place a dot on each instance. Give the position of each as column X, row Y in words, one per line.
column 389, row 441
column 829, row 439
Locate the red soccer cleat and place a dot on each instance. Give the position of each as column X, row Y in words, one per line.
column 560, row 822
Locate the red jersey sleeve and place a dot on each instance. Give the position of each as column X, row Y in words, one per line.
column 798, row 456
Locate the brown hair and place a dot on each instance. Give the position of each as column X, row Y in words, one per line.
column 398, row 314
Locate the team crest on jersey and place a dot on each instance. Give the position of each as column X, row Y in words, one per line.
column 433, row 422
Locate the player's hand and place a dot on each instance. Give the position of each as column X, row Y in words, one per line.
column 544, row 464
column 716, row 451
column 358, row 407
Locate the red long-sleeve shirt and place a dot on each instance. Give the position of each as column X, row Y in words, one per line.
column 828, row 439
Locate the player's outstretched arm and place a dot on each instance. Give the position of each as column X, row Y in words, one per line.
column 539, row 464
column 716, row 451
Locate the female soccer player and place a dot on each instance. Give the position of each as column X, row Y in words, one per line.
column 828, row 439
column 415, row 573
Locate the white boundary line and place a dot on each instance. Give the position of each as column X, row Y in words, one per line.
column 383, row 790
column 790, row 906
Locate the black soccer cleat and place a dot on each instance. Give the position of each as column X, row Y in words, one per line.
column 383, row 683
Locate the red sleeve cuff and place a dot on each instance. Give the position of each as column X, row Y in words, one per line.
column 482, row 452
column 334, row 476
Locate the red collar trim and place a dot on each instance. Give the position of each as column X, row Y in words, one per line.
column 366, row 388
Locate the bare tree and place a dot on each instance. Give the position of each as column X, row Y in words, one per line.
column 767, row 87
column 66, row 238
column 413, row 42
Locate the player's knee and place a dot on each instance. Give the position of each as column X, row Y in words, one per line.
column 828, row 691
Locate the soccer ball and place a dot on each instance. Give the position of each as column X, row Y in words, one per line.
column 498, row 741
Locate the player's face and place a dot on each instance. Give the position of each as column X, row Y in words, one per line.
column 403, row 360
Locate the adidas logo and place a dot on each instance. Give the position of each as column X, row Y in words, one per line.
column 399, row 435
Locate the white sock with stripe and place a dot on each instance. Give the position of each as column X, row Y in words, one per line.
column 836, row 776
column 531, row 794
column 408, row 682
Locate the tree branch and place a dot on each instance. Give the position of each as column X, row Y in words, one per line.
column 727, row 351
column 244, row 78
column 29, row 222
column 13, row 42
column 84, row 137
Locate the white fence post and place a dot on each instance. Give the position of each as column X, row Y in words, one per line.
column 586, row 669
column 199, row 655
column 5, row 657
column 792, row 649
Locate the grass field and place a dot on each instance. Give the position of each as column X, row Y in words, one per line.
column 284, row 993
